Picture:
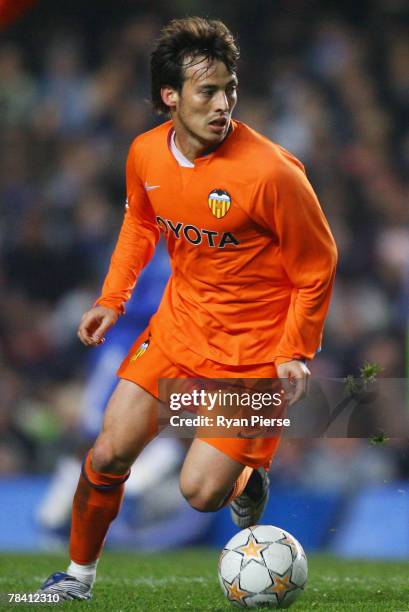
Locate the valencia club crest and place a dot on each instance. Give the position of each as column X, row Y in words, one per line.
column 219, row 203
column 141, row 350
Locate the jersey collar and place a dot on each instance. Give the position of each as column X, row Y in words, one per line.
column 186, row 163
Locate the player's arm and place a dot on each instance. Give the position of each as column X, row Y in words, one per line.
column 309, row 258
column 135, row 246
column 287, row 205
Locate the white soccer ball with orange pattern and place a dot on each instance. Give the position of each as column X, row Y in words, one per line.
column 263, row 566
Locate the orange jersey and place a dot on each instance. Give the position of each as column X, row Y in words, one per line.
column 252, row 256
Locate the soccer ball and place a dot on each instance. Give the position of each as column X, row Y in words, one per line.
column 262, row 566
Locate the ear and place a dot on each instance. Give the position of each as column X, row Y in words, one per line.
column 169, row 96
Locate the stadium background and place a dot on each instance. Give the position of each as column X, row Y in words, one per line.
column 330, row 83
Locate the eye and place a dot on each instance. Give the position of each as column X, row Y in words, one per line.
column 231, row 90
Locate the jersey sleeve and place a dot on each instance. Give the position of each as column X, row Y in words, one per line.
column 136, row 243
column 308, row 253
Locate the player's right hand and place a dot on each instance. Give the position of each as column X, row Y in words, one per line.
column 94, row 325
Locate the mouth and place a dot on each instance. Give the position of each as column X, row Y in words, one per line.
column 219, row 124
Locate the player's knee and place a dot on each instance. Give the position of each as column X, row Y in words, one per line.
column 105, row 459
column 203, row 497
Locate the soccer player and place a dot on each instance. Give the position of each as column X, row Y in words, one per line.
column 253, row 263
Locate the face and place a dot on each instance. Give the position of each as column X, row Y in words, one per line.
column 202, row 110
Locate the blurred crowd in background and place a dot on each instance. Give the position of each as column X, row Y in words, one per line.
column 332, row 86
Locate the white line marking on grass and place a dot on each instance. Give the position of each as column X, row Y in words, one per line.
column 363, row 581
column 154, row 582
column 4, row 580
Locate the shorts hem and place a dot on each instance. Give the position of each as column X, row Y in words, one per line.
column 237, row 456
column 124, row 376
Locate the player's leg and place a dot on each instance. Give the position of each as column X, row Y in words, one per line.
column 215, row 474
column 210, row 478
column 130, row 423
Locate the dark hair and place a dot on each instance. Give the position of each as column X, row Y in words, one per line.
column 193, row 38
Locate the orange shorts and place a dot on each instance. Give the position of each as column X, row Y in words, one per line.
column 146, row 363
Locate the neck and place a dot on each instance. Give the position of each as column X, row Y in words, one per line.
column 189, row 146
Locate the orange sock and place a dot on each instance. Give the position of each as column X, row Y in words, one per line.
column 96, row 503
column 239, row 485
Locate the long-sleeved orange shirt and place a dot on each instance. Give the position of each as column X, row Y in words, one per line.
column 252, row 257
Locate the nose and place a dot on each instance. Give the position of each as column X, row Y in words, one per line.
column 221, row 102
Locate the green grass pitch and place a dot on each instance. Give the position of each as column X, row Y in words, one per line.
column 187, row 580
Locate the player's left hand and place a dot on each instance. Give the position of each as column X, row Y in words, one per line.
column 294, row 376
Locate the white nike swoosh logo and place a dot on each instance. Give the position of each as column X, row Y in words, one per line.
column 150, row 187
